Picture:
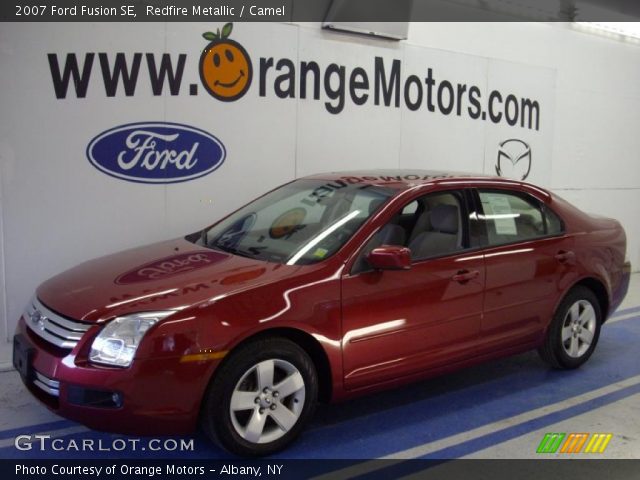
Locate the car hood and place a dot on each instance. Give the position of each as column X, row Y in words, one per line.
column 169, row 275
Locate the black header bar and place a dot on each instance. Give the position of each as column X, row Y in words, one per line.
column 317, row 10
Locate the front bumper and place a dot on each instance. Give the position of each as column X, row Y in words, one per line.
column 152, row 397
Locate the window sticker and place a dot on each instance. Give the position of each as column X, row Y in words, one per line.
column 500, row 213
column 320, row 252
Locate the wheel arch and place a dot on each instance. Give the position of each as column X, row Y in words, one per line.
column 309, row 344
column 600, row 291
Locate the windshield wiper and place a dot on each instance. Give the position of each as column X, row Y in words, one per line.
column 231, row 250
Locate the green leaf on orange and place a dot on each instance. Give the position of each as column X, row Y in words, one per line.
column 226, row 30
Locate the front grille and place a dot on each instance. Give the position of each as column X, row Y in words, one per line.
column 53, row 328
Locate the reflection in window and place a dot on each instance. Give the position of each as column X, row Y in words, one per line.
column 303, row 222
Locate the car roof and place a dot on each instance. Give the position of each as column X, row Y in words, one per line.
column 403, row 179
column 408, row 177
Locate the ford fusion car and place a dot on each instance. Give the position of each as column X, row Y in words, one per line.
column 325, row 288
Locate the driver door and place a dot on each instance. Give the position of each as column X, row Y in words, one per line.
column 402, row 322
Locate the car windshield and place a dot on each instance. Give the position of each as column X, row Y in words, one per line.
column 300, row 223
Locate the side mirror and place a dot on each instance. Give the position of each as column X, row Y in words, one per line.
column 390, row 257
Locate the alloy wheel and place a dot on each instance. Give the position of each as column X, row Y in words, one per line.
column 267, row 401
column 578, row 328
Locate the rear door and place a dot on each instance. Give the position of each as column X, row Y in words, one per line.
column 526, row 257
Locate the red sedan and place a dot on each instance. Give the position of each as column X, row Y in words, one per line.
column 324, row 288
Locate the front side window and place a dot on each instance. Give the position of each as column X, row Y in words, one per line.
column 438, row 229
column 511, row 217
column 300, row 223
column 430, row 227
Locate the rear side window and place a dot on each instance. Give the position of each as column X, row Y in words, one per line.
column 511, row 217
column 554, row 223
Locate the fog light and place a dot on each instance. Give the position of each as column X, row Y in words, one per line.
column 116, row 398
column 93, row 398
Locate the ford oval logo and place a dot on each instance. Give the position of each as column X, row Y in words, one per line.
column 156, row 152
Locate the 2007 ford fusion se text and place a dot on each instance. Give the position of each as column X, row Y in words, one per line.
column 325, row 288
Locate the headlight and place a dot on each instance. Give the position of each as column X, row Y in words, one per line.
column 117, row 343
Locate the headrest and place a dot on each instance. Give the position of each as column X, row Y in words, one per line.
column 444, row 218
column 392, row 234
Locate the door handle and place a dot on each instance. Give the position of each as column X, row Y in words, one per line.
column 565, row 256
column 463, row 276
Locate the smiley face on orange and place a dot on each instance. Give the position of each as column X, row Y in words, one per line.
column 225, row 66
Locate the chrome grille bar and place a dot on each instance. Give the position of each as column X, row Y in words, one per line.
column 53, row 328
column 52, row 387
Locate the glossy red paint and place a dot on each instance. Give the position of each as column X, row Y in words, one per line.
column 373, row 329
column 390, row 257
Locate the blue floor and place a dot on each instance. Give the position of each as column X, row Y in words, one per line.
column 397, row 420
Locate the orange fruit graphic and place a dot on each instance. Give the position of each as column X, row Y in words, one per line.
column 225, row 66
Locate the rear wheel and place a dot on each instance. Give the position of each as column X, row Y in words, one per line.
column 261, row 397
column 574, row 330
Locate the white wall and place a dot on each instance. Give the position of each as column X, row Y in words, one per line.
column 58, row 210
column 3, row 309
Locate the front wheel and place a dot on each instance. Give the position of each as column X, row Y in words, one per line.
column 261, row 397
column 574, row 330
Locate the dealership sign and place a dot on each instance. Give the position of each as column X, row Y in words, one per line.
column 156, row 152
column 225, row 70
column 474, row 103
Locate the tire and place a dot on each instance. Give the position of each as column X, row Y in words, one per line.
column 574, row 331
column 272, row 418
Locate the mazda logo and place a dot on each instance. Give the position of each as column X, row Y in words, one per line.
column 514, row 159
